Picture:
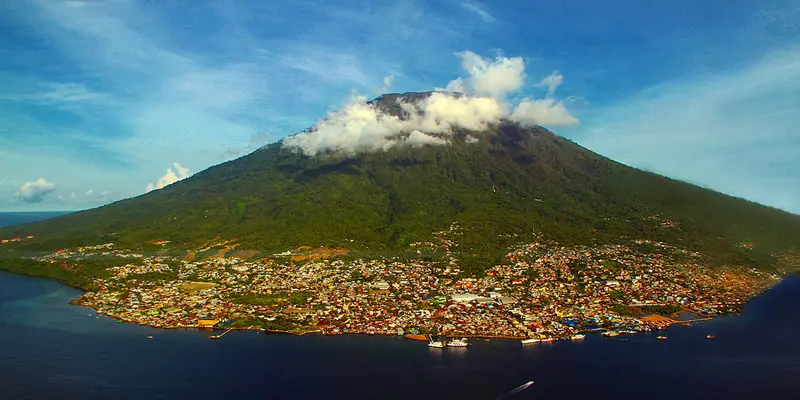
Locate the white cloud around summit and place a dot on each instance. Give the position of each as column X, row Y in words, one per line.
column 546, row 112
column 359, row 126
column 493, row 78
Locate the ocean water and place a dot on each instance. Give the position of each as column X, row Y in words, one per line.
column 50, row 349
column 17, row 218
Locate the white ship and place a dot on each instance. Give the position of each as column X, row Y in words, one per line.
column 578, row 336
column 549, row 339
column 458, row 343
column 435, row 343
column 530, row 340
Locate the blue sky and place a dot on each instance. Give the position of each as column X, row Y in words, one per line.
column 99, row 97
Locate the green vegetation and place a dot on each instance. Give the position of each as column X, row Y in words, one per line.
column 299, row 298
column 279, row 324
column 621, row 310
column 512, row 184
column 75, row 273
column 612, row 265
column 618, row 296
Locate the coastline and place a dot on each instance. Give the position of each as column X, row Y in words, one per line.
column 110, row 358
column 75, row 302
column 320, row 332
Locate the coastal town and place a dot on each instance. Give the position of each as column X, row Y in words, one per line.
column 542, row 290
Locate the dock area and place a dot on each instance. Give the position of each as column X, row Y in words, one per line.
column 220, row 335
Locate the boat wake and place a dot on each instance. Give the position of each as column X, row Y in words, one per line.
column 515, row 391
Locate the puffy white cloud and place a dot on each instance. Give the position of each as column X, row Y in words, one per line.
column 357, row 127
column 169, row 178
column 419, row 139
column 456, row 85
column 183, row 172
column 89, row 192
column 440, row 112
column 552, row 81
column 35, row 191
column 363, row 127
column 489, row 78
column 546, row 112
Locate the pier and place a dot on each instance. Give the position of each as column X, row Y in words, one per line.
column 220, row 335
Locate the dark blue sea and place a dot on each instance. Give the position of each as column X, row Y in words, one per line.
column 52, row 350
column 18, row 218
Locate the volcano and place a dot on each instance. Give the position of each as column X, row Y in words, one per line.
column 502, row 185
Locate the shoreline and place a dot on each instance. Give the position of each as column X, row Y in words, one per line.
column 74, row 302
column 319, row 331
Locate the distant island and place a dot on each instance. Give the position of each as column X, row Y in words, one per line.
column 500, row 230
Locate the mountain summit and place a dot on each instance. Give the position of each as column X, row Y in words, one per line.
column 391, row 172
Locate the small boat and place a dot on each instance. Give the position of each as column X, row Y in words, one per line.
column 686, row 324
column 578, row 336
column 436, row 343
column 662, row 338
column 710, row 337
column 458, row 343
column 611, row 333
column 530, row 340
column 149, row 336
column 549, row 339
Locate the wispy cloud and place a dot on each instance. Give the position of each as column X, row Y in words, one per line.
column 551, row 82
column 387, row 84
column 478, row 10
column 328, row 64
column 718, row 131
column 61, row 93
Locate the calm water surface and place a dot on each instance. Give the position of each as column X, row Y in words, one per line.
column 50, row 349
